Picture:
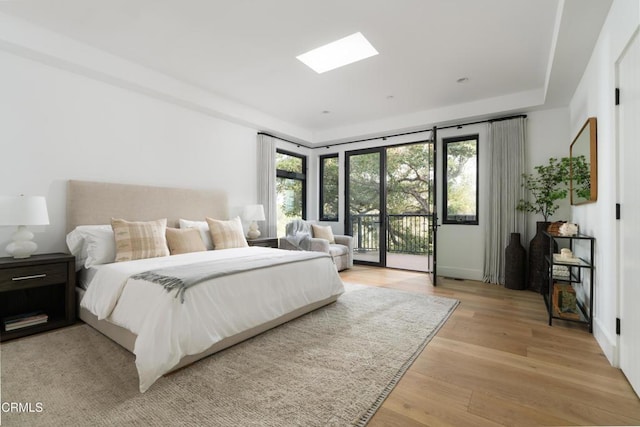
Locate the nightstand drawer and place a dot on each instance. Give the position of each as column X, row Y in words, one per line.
column 37, row 275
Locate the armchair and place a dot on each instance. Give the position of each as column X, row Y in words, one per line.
column 300, row 236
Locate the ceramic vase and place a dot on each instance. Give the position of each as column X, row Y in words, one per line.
column 515, row 264
column 538, row 270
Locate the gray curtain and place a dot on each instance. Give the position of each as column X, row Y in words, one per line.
column 267, row 183
column 506, row 166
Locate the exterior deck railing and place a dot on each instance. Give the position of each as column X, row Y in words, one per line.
column 407, row 233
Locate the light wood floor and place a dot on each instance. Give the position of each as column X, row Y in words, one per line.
column 497, row 362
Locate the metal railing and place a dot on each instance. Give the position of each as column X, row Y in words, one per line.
column 406, row 233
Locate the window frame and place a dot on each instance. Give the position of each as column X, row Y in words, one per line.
column 321, row 213
column 281, row 173
column 445, row 215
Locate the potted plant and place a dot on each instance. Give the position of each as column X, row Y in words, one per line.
column 547, row 186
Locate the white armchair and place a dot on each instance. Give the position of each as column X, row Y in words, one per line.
column 300, row 237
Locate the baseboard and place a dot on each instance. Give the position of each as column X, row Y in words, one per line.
column 607, row 343
column 459, row 273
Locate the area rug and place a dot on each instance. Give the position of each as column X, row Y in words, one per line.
column 332, row 367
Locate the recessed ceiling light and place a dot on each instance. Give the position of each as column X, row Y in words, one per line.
column 336, row 54
column 326, row 112
column 463, row 80
column 390, row 97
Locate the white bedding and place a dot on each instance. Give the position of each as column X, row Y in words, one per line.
column 168, row 330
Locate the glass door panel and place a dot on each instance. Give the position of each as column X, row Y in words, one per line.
column 409, row 204
column 365, row 210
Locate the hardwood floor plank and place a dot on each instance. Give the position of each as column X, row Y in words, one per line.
column 497, row 362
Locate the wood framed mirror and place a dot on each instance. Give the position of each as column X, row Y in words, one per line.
column 583, row 170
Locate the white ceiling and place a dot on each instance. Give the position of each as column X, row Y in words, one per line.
column 517, row 54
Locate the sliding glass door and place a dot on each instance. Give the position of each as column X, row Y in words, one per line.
column 365, row 197
column 390, row 204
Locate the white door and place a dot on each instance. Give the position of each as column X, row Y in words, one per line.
column 629, row 176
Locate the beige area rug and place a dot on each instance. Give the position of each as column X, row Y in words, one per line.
column 332, row 367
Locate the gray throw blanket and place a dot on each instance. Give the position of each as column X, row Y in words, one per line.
column 299, row 234
column 182, row 277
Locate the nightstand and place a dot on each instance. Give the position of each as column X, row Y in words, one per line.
column 267, row 242
column 38, row 284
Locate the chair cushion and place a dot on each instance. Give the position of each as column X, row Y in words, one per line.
column 338, row 250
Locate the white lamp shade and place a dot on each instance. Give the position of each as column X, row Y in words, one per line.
column 253, row 213
column 23, row 210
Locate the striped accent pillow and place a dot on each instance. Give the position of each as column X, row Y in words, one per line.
column 227, row 234
column 139, row 239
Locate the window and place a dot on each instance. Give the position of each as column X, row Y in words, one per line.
column 329, row 187
column 461, row 180
column 291, row 188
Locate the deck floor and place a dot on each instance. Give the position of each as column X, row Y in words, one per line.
column 401, row 261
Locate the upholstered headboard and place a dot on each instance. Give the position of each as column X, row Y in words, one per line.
column 93, row 203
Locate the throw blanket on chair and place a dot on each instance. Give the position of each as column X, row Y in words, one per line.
column 180, row 278
column 299, row 234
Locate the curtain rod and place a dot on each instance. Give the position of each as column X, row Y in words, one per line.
column 459, row 125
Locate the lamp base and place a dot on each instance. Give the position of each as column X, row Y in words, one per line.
column 22, row 245
column 253, row 232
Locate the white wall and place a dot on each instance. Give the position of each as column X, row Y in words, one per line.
column 461, row 247
column 594, row 97
column 58, row 125
column 547, row 136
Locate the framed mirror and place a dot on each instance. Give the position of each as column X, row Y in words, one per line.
column 583, row 169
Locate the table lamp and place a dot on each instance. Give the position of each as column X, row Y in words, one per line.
column 23, row 211
column 253, row 213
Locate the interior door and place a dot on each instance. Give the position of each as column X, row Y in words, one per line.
column 629, row 227
column 366, row 213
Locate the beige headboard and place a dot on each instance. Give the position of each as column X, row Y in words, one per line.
column 93, row 203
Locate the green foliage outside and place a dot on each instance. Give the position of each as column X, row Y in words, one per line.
column 409, row 182
column 461, row 178
column 289, row 191
column 409, row 191
column 329, row 189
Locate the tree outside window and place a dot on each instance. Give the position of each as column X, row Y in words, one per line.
column 461, row 180
column 329, row 175
column 290, row 188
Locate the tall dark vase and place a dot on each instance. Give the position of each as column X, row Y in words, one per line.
column 538, row 270
column 515, row 264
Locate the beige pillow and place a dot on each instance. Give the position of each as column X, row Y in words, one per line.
column 227, row 234
column 139, row 239
column 184, row 241
column 323, row 232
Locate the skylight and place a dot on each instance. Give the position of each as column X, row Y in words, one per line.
column 336, row 54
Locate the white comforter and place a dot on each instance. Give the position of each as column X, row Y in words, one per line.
column 213, row 310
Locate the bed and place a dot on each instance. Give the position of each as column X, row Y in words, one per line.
column 166, row 329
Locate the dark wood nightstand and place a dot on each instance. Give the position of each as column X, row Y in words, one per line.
column 41, row 283
column 267, row 242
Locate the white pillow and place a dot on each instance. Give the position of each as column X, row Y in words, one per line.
column 204, row 230
column 92, row 245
